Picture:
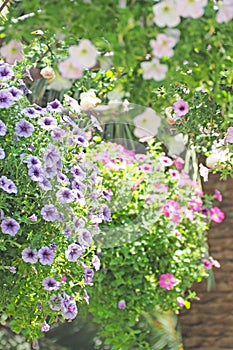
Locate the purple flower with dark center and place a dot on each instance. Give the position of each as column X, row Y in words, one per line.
column 30, row 255
column 104, row 213
column 53, row 247
column 6, row 99
column 47, row 123
column 39, row 109
column 6, row 73
column 12, row 269
column 24, row 128
column 30, row 112
column 33, row 218
column 79, row 197
column 77, row 171
column 51, row 155
column 77, row 185
column 108, row 194
column 57, row 134
column 36, row 173
column 50, row 172
column 181, row 108
column 54, row 106
column 68, row 307
column 45, row 327
column 49, row 212
column 50, row 284
column 23, row 87
column 2, row 128
column 65, row 195
column 10, row 226
column 81, row 141
column 39, row 306
column 2, row 153
column 63, row 178
column 45, row 184
column 7, row 185
column 32, row 161
column 16, row 93
column 67, row 232
column 121, row 305
column 85, row 238
column 88, row 275
column 46, row 256
column 74, row 252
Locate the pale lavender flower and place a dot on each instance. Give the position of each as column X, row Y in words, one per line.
column 7, row 185
column 84, row 238
column 50, row 284
column 23, row 87
column 121, row 304
column 77, row 185
column 88, row 275
column 79, row 197
column 33, row 218
column 154, row 70
column 16, row 93
column 6, row 99
column 39, row 109
column 229, row 137
column 30, row 255
column 51, row 155
column 53, row 247
column 32, row 161
column 83, row 55
column 54, row 106
column 12, row 269
column 30, row 112
column 67, row 232
column 45, row 184
column 74, row 252
column 10, row 226
column 68, row 307
column 36, row 173
column 86, row 296
column 39, row 306
column 96, row 262
column 77, row 171
column 78, row 224
column 6, row 73
column 2, row 153
column 65, row 195
column 46, row 256
column 81, row 141
column 50, row 172
column 63, row 178
column 2, row 128
column 47, row 123
column 57, row 134
column 45, row 327
column 49, row 212
column 23, row 128
column 35, row 344
column 104, row 213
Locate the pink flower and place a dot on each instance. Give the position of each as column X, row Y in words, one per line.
column 166, row 14
column 229, row 136
column 166, row 161
column 137, row 183
column 167, row 281
column 172, row 211
column 68, row 70
column 180, row 301
column 214, row 262
column 147, row 168
column 181, row 108
column 195, row 204
column 175, row 175
column 83, row 55
column 154, row 70
column 193, row 9
column 207, row 264
column 179, row 162
column 163, row 45
column 218, row 195
column 225, row 13
column 216, row 215
column 121, row 305
column 12, row 52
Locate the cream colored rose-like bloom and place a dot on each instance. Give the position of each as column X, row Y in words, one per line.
column 88, row 100
column 48, row 73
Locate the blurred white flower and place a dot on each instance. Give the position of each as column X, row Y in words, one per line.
column 12, row 52
column 147, row 123
column 166, row 14
column 175, row 145
column 154, row 70
column 83, row 55
column 88, row 100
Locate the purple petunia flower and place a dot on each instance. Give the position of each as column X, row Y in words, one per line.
column 78, row 185
column 46, row 256
column 63, row 178
column 33, row 218
column 54, row 106
column 45, row 184
column 30, row 112
column 85, row 238
column 23, row 87
column 79, row 197
column 77, row 172
column 2, row 128
column 2, row 153
column 78, row 224
column 65, row 195
column 36, row 173
column 81, row 141
column 12, row 269
column 181, row 108
column 10, row 226
column 50, row 284
column 68, row 307
column 47, row 123
column 51, row 155
column 24, row 128
column 7, row 185
column 74, row 252
column 16, row 93
column 30, row 255
column 104, row 213
column 6, row 73
column 32, row 161
column 53, row 247
column 121, row 304
column 6, row 99
column 67, row 232
column 45, row 327
column 57, row 134
column 50, row 172
column 88, row 275
column 49, row 212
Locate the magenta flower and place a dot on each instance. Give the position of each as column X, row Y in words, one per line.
column 10, row 226
column 50, row 284
column 23, row 128
column 167, row 281
column 195, row 204
column 207, row 264
column 30, row 255
column 46, row 256
column 121, row 304
column 217, row 195
column 229, row 136
column 216, row 215
column 166, row 161
column 181, row 108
